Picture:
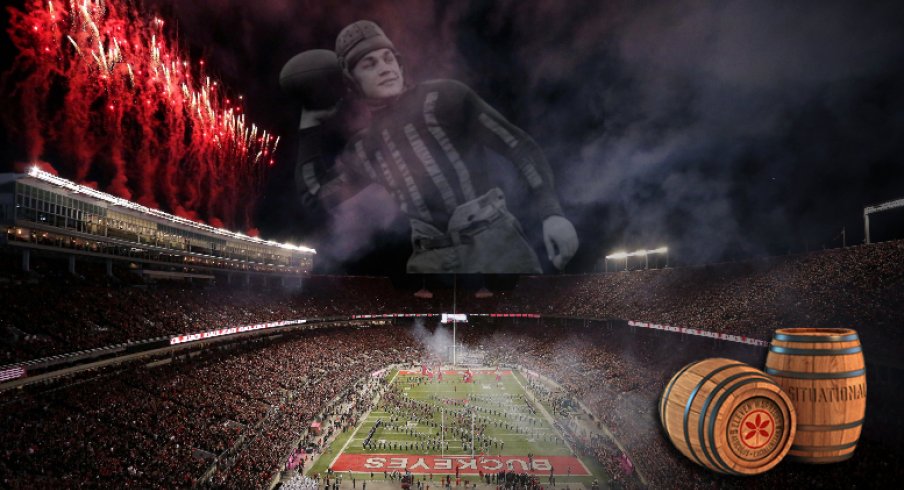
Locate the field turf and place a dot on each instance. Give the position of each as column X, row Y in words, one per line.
column 410, row 427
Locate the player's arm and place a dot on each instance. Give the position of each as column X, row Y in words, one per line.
column 322, row 175
column 494, row 131
column 315, row 79
column 497, row 133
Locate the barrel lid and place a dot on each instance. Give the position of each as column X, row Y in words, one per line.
column 815, row 335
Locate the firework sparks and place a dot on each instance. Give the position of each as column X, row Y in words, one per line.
column 103, row 86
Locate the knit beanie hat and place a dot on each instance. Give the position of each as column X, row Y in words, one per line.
column 358, row 39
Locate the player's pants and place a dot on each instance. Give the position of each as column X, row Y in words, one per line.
column 482, row 237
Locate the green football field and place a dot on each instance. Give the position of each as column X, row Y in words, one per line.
column 482, row 426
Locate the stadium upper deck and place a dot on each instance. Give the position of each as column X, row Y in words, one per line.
column 41, row 211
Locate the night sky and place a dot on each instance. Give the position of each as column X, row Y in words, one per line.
column 720, row 129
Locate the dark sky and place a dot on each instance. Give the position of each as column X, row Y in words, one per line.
column 721, row 129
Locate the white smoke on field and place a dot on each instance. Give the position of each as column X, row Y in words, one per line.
column 437, row 342
column 714, row 127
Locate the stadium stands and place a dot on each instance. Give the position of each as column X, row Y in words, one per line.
column 620, row 377
column 242, row 408
column 161, row 428
column 859, row 286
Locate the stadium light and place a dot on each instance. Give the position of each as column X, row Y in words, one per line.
column 646, row 258
column 617, row 256
column 39, row 174
column 637, row 253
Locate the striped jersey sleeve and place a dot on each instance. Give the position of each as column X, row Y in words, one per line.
column 494, row 131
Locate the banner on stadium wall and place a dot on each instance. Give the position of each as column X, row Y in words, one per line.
column 12, row 373
column 454, row 317
column 393, row 315
column 181, row 339
column 422, row 315
column 701, row 333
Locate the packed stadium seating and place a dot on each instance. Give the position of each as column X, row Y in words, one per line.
column 859, row 286
column 620, row 377
column 135, row 426
column 159, row 428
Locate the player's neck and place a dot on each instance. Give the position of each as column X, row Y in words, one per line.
column 381, row 104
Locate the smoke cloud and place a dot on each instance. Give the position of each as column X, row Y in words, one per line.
column 720, row 121
column 437, row 342
column 105, row 94
column 716, row 128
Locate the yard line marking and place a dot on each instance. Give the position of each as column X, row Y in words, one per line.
column 551, row 421
column 363, row 418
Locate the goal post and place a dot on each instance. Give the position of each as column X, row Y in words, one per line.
column 885, row 206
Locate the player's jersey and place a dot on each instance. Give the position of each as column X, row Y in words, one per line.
column 427, row 149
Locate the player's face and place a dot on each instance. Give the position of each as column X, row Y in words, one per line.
column 379, row 74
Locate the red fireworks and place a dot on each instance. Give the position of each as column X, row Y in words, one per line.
column 101, row 87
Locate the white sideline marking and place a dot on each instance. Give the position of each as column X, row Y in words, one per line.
column 552, row 423
column 349, row 440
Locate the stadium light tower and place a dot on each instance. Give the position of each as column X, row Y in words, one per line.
column 454, row 323
column 885, row 206
column 646, row 258
column 617, row 256
column 638, row 253
column 663, row 251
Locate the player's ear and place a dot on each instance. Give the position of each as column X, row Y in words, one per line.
column 405, row 82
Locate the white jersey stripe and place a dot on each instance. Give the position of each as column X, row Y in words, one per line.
column 423, row 154
column 464, row 177
column 413, row 190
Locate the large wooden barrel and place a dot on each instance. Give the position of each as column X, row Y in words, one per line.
column 823, row 373
column 727, row 416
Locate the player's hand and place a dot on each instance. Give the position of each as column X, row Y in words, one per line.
column 561, row 240
column 316, row 117
column 309, row 200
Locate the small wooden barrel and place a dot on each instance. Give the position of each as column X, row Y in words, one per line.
column 823, row 373
column 727, row 416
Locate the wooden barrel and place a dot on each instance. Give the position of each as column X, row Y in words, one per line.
column 727, row 416
column 823, row 373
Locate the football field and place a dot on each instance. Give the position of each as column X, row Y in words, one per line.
column 466, row 423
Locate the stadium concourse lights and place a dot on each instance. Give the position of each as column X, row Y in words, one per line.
column 39, row 174
column 638, row 253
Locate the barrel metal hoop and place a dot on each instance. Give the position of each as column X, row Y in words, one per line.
column 819, row 459
column 701, row 424
column 712, row 421
column 690, row 401
column 825, row 428
column 668, row 392
column 802, row 375
column 823, row 449
column 815, row 352
column 783, row 337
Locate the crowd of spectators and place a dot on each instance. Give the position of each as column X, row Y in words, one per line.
column 619, row 378
column 239, row 411
column 858, row 287
column 861, row 287
column 92, row 311
column 300, row 482
column 230, row 416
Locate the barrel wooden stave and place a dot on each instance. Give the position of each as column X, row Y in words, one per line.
column 701, row 407
column 831, row 406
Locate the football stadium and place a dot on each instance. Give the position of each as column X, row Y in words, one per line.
column 515, row 247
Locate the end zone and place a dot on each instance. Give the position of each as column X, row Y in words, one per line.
column 459, row 372
column 467, row 465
